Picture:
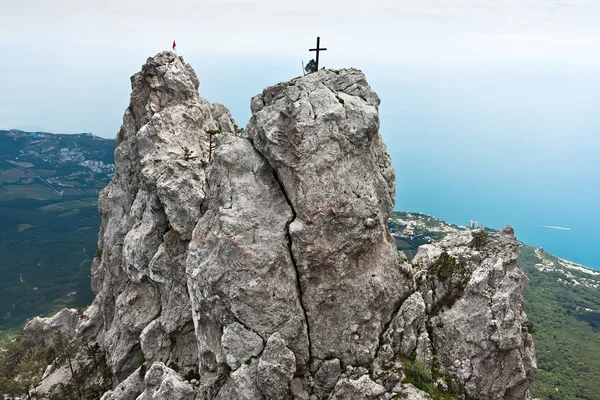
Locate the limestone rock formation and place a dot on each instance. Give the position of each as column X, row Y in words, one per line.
column 261, row 267
column 45, row 329
column 320, row 134
column 480, row 336
column 149, row 211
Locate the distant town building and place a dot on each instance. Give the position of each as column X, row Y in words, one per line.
column 473, row 224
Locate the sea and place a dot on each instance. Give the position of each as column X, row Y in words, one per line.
column 518, row 147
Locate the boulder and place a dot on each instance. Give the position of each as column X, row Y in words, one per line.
column 276, row 368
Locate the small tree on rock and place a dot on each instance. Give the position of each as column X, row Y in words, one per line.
column 211, row 141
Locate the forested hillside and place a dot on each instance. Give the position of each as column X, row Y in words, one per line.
column 566, row 319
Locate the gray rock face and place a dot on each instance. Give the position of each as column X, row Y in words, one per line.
column 239, row 265
column 149, row 211
column 481, row 338
column 264, row 262
column 320, row 135
column 44, row 329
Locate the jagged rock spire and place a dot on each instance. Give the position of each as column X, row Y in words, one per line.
column 148, row 213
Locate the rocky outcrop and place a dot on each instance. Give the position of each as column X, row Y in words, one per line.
column 480, row 334
column 320, row 135
column 149, row 211
column 44, row 330
column 261, row 267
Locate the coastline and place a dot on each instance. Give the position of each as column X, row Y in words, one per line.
column 578, row 267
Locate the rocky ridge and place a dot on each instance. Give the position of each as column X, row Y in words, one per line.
column 259, row 266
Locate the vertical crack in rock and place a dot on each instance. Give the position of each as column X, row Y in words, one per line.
column 386, row 326
column 346, row 263
column 293, row 259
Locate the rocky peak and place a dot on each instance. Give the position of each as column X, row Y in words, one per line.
column 149, row 211
column 261, row 267
column 320, row 135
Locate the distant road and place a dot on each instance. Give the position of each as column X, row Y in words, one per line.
column 36, row 175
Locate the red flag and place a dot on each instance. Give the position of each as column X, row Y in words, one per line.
column 174, row 44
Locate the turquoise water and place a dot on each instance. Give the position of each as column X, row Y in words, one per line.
column 518, row 148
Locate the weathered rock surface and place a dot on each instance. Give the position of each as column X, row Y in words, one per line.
column 239, row 263
column 241, row 385
column 480, row 337
column 45, row 329
column 240, row 345
column 326, row 377
column 276, row 368
column 148, row 212
column 407, row 326
column 320, row 134
column 261, row 267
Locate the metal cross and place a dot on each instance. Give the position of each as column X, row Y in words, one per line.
column 317, row 50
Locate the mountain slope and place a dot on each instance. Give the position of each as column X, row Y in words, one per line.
column 566, row 320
